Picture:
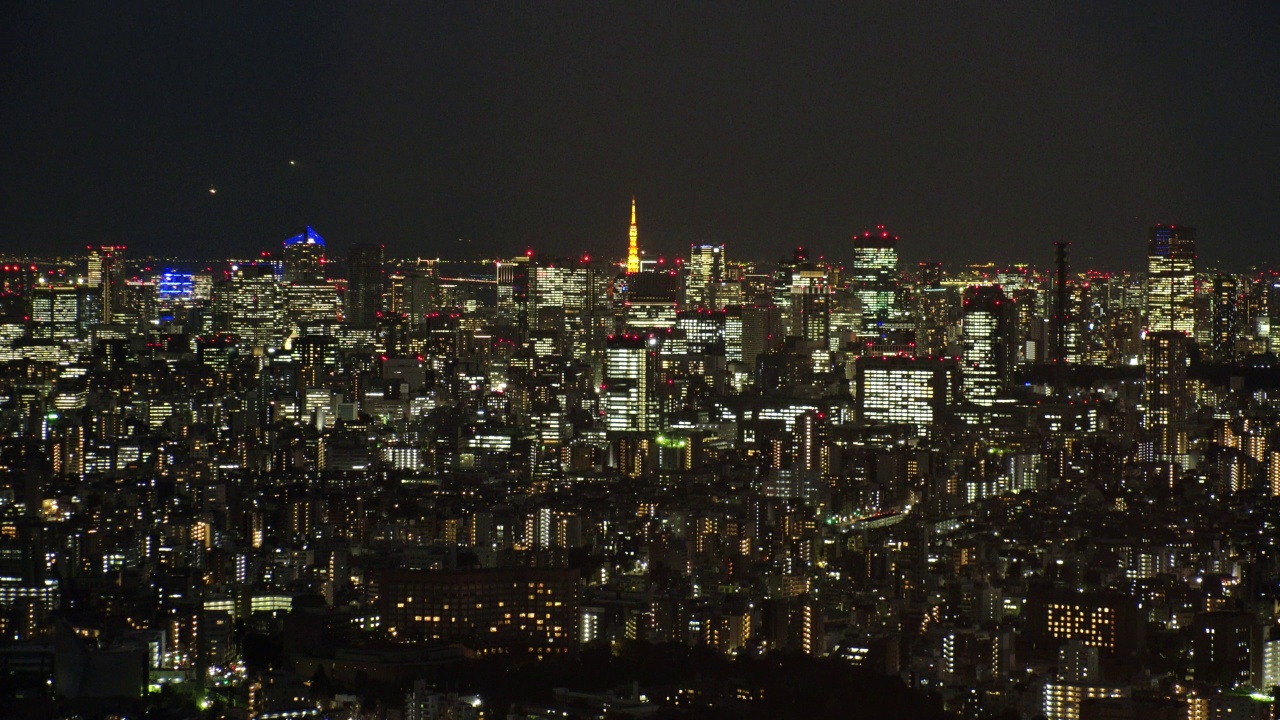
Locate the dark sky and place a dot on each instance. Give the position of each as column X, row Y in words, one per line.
column 973, row 130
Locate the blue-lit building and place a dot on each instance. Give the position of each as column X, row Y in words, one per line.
column 304, row 258
column 176, row 286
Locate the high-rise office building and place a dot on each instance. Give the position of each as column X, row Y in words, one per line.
column 414, row 292
column 733, row 334
column 630, row 366
column 1059, row 309
column 780, row 287
column 812, row 310
column 704, row 331
column 762, row 330
column 1167, row 395
column 873, row 275
column 304, row 258
column 513, row 290
column 311, row 303
column 705, row 271
column 651, row 300
column 1171, row 279
column 990, row 347
column 898, row 390
column 16, row 284
column 251, row 306
column 808, row 303
column 572, row 298
column 64, row 312
column 106, row 274
column 176, row 287
column 365, row 275
column 937, row 311
column 1226, row 317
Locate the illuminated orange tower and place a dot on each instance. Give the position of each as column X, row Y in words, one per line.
column 633, row 249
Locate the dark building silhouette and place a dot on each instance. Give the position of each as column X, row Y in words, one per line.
column 365, row 276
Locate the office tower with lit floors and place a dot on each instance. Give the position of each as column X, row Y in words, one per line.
column 64, row 312
column 630, row 367
column 812, row 309
column 107, row 275
column 251, row 306
column 414, row 292
column 990, row 344
column 1171, row 279
column 572, row 299
column 808, row 302
column 513, row 290
column 304, row 258
column 1167, row 397
column 899, row 390
column 1226, row 318
column 651, row 300
column 873, row 276
column 311, row 301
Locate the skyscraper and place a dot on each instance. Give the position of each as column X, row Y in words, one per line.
column 805, row 297
column 1167, row 395
column 513, row 290
column 873, row 276
column 990, row 350
column 251, row 306
column 309, row 298
column 705, row 271
column 1226, row 317
column 415, row 292
column 630, row 363
column 762, row 330
column 106, row 274
column 364, row 284
column 63, row 312
column 16, row 284
column 651, row 300
column 633, row 247
column 304, row 258
column 1171, row 279
column 571, row 297
column 812, row 310
column 1061, row 318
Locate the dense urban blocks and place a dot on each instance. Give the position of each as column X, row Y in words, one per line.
column 316, row 483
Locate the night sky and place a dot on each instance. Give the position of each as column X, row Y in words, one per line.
column 973, row 130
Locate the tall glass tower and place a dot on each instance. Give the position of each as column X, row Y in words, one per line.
column 874, row 275
column 989, row 348
column 365, row 277
column 106, row 274
column 1171, row 279
column 304, row 258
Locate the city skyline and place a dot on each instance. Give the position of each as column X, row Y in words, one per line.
column 985, row 487
column 624, row 360
column 974, row 132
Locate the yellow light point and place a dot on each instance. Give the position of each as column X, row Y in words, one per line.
column 633, row 249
